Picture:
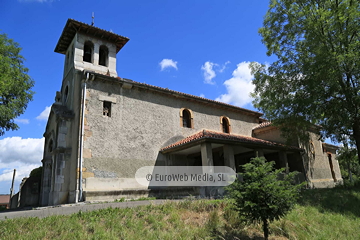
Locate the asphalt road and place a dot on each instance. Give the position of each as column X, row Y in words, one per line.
column 67, row 209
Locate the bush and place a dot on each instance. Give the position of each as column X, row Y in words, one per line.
column 261, row 196
column 36, row 172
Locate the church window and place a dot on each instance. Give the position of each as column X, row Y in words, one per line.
column 88, row 52
column 103, row 55
column 107, row 109
column 225, row 124
column 186, row 118
column 51, row 146
column 66, row 93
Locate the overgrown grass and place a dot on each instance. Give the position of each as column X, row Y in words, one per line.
column 320, row 214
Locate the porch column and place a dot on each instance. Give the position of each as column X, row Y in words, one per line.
column 206, row 154
column 207, row 160
column 259, row 152
column 284, row 161
column 229, row 157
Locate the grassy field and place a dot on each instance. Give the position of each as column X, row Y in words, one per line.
column 320, row 214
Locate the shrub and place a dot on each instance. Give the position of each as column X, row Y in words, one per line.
column 261, row 196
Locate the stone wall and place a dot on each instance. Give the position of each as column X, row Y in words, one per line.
column 141, row 123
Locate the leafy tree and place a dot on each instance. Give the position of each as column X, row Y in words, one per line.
column 15, row 84
column 347, row 157
column 316, row 77
column 261, row 196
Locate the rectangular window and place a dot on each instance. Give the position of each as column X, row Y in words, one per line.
column 107, row 109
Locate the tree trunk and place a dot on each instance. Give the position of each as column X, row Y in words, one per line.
column 356, row 133
column 349, row 170
column 266, row 229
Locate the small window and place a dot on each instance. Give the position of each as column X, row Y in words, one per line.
column 186, row 118
column 51, row 146
column 66, row 93
column 107, row 109
column 88, row 52
column 225, row 124
column 103, row 56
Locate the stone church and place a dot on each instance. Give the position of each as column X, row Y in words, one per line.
column 102, row 128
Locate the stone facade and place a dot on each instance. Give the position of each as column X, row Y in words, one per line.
column 103, row 128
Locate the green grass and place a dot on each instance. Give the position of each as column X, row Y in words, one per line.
column 320, row 214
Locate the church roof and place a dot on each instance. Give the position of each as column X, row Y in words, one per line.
column 263, row 125
column 175, row 93
column 4, row 199
column 72, row 27
column 212, row 135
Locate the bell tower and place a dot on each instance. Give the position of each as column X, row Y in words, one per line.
column 89, row 48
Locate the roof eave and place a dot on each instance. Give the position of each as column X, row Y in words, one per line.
column 176, row 94
column 72, row 27
column 226, row 141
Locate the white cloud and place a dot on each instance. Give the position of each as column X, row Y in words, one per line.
column 44, row 115
column 168, row 63
column 17, row 149
column 22, row 170
column 21, row 154
column 202, row 95
column 224, row 66
column 22, row 120
column 209, row 72
column 239, row 86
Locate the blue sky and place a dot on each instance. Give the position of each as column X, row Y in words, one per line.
column 200, row 47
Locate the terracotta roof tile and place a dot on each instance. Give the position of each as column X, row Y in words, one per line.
column 186, row 95
column 73, row 26
column 263, row 125
column 206, row 134
column 4, row 198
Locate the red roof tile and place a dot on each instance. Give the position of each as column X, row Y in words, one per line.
column 4, row 199
column 263, row 125
column 178, row 94
column 206, row 134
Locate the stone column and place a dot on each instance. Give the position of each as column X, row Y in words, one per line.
column 229, row 157
column 284, row 161
column 207, row 160
column 259, row 152
column 206, row 154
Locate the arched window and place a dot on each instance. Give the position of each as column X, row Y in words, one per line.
column 66, row 93
column 103, row 56
column 186, row 119
column 225, row 124
column 88, row 51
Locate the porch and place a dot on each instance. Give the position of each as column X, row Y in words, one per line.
column 210, row 148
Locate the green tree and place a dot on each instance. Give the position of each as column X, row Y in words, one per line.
column 262, row 196
column 36, row 172
column 347, row 157
column 316, row 77
column 15, row 84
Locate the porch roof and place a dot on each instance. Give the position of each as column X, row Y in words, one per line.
column 219, row 137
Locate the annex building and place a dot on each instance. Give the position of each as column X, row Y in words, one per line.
column 102, row 128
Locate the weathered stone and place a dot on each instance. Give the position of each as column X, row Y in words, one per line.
column 88, row 174
column 87, row 153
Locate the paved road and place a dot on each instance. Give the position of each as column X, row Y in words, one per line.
column 74, row 208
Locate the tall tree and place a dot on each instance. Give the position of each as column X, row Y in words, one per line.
column 15, row 84
column 347, row 158
column 316, row 77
